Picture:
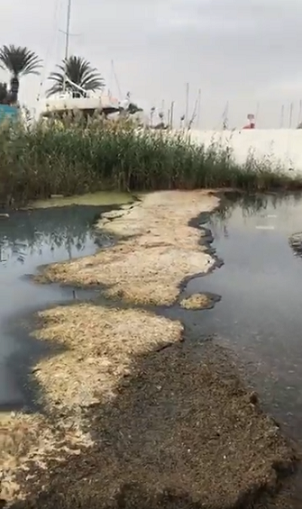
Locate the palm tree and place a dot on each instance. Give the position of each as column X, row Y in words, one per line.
column 19, row 61
column 78, row 71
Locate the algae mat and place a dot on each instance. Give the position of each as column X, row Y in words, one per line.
column 91, row 199
column 100, row 344
column 135, row 416
column 181, row 432
column 157, row 251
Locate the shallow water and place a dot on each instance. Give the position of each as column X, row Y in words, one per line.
column 29, row 239
column 260, row 312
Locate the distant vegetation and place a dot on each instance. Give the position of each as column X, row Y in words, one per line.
column 73, row 157
column 18, row 61
column 79, row 71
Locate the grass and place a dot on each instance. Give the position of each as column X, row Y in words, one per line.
column 73, row 158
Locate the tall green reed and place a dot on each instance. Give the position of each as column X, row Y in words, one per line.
column 72, row 156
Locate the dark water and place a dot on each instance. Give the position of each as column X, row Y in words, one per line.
column 260, row 312
column 28, row 240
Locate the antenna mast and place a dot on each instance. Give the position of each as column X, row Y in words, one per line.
column 198, row 107
column 225, row 117
column 291, row 109
column 282, row 116
column 67, row 42
column 187, row 105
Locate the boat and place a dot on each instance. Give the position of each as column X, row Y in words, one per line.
column 76, row 99
column 89, row 105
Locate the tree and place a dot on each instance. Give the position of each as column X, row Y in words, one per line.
column 19, row 61
column 3, row 93
column 79, row 71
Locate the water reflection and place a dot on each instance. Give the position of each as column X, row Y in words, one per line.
column 30, row 233
column 28, row 240
column 261, row 288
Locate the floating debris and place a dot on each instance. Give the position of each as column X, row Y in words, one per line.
column 265, row 227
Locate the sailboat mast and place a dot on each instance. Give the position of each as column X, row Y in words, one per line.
column 187, row 105
column 67, row 42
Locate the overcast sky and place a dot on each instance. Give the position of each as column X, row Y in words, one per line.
column 244, row 52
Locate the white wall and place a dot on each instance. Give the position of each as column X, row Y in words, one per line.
column 283, row 147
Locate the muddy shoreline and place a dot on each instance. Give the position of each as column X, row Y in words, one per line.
column 168, row 422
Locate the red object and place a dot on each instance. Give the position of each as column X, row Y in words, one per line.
column 250, row 126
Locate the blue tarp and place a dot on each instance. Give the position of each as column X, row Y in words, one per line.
column 6, row 111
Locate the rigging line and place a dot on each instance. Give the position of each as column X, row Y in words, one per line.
column 111, row 79
column 257, row 112
column 54, row 23
column 117, row 81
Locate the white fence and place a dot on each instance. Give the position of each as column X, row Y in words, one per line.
column 280, row 147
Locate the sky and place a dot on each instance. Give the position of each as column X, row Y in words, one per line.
column 243, row 55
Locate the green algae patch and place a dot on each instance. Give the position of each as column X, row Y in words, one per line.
column 91, row 199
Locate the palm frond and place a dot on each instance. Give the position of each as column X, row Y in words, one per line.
column 19, row 60
column 79, row 71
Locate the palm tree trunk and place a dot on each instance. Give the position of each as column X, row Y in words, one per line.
column 14, row 89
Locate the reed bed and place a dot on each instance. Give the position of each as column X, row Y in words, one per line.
column 73, row 157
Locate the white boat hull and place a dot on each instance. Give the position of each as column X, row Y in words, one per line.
column 66, row 104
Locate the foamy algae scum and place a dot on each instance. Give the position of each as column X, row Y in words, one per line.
column 150, row 420
column 157, row 252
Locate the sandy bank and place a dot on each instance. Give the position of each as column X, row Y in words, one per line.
column 157, row 252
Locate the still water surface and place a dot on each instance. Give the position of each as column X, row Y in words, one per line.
column 260, row 312
column 29, row 239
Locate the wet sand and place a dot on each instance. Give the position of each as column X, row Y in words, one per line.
column 140, row 416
